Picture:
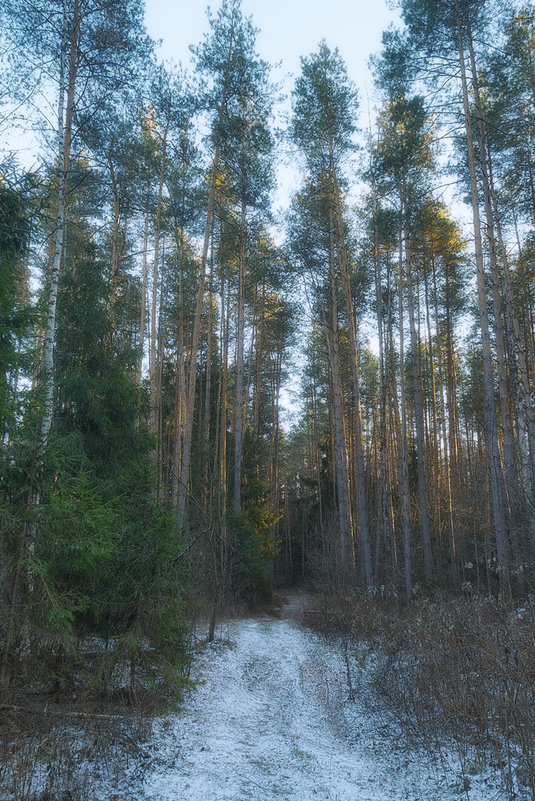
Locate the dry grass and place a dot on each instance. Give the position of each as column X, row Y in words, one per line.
column 463, row 667
column 68, row 721
column 50, row 754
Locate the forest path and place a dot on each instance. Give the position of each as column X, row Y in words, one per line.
column 272, row 718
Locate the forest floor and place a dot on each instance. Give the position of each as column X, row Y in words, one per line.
column 279, row 712
column 276, row 712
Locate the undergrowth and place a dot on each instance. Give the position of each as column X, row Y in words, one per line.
column 49, row 754
column 462, row 667
column 69, row 720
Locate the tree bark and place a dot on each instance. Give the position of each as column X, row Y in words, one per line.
column 418, row 402
column 196, row 330
column 154, row 356
column 65, row 117
column 404, row 463
column 361, row 474
column 340, row 444
column 495, row 469
column 240, row 335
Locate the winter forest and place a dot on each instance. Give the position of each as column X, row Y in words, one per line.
column 156, row 313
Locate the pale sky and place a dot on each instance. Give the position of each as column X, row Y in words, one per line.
column 288, row 29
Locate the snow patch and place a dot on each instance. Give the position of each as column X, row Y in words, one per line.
column 277, row 714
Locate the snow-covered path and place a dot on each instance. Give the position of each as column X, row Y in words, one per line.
column 272, row 718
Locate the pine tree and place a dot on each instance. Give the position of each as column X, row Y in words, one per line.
column 445, row 31
column 322, row 128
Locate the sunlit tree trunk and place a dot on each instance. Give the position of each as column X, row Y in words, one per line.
column 195, row 336
column 191, row 373
column 361, row 474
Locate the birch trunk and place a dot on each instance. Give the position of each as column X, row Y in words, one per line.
column 143, row 313
column 65, row 117
column 154, row 351
column 339, row 433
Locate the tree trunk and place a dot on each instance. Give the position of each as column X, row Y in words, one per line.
column 361, row 474
column 418, row 403
column 339, row 434
column 208, row 385
column 154, row 365
column 143, row 313
column 495, row 469
column 240, row 335
column 65, row 116
column 385, row 509
column 404, row 463
column 447, row 450
column 195, row 336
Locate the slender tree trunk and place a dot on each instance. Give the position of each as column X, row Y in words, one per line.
column 274, row 457
column 180, row 378
column 512, row 489
column 433, row 412
column 518, row 366
column 240, row 335
column 65, row 117
column 115, row 248
column 339, row 434
column 196, row 330
column 385, row 509
column 259, row 342
column 495, row 469
column 154, row 365
column 208, row 383
column 404, row 463
column 69, row 55
column 143, row 313
column 361, row 473
column 221, row 546
column 446, row 463
column 317, row 458
column 418, row 403
column 195, row 337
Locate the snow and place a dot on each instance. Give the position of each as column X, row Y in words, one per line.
column 273, row 717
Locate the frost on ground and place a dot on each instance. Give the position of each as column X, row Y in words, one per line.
column 273, row 717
